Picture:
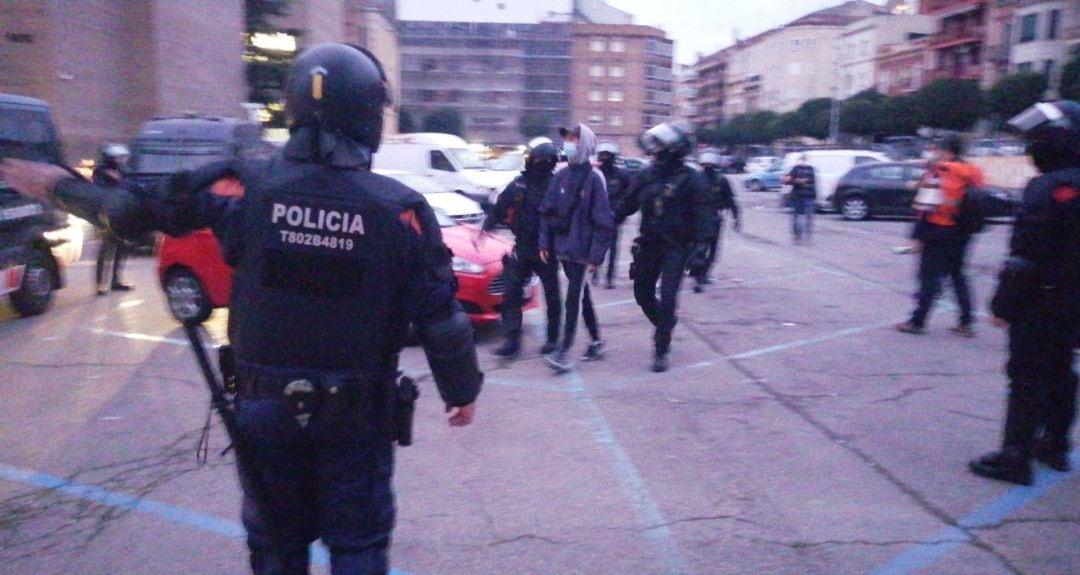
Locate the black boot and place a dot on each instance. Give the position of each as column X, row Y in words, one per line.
column 1054, row 458
column 1005, row 465
column 660, row 362
column 509, row 349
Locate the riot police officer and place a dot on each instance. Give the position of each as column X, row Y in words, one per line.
column 518, row 207
column 112, row 251
column 676, row 226
column 618, row 184
column 723, row 199
column 1038, row 298
column 331, row 264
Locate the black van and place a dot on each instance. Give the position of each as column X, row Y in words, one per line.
column 29, row 272
column 165, row 146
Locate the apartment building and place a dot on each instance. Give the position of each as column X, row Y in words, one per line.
column 1042, row 34
column 863, row 42
column 708, row 87
column 957, row 49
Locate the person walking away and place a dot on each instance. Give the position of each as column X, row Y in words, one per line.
column 1038, row 298
column 803, row 200
column 332, row 264
column 723, row 199
column 944, row 243
column 518, row 207
column 577, row 231
column 618, row 183
column 112, row 251
column 677, row 224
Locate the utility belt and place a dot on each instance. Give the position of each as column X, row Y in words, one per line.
column 304, row 391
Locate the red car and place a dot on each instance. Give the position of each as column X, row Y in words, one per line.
column 196, row 279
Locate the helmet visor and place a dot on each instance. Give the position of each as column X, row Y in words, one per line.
column 709, row 158
column 657, row 138
column 1039, row 115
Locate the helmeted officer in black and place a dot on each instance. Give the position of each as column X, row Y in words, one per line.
column 723, row 199
column 112, row 251
column 519, row 208
column 676, row 225
column 1038, row 297
column 618, row 185
column 332, row 262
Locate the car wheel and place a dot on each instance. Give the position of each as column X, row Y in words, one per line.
column 855, row 208
column 38, row 282
column 188, row 300
column 755, row 186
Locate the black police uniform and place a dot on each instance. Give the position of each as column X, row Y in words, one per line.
column 519, row 208
column 618, row 186
column 1038, row 295
column 676, row 219
column 112, row 251
column 723, row 198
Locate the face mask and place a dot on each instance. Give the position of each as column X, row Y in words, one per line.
column 570, row 150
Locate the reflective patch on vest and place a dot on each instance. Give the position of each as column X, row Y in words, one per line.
column 1065, row 194
column 316, row 227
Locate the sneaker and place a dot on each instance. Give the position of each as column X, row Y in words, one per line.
column 1003, row 465
column 549, row 347
column 509, row 349
column 902, row 250
column 121, row 286
column 559, row 361
column 963, row 330
column 610, row 284
column 102, row 289
column 595, row 350
column 660, row 363
column 908, row 327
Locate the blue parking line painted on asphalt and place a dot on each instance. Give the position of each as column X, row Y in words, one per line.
column 948, row 539
column 809, row 341
column 319, row 555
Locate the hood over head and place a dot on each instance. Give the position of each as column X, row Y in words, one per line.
column 586, row 144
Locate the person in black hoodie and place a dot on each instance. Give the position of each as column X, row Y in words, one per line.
column 618, row 184
column 518, row 207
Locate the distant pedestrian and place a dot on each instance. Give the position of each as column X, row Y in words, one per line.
column 723, row 199
column 944, row 243
column 577, row 231
column 618, row 184
column 803, row 200
column 112, row 251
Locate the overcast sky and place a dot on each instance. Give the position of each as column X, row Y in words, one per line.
column 705, row 26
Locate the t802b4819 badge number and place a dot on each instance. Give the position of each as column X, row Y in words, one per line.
column 316, row 240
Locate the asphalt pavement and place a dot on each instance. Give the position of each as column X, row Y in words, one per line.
column 796, row 433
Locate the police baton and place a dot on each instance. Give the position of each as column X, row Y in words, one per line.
column 250, row 479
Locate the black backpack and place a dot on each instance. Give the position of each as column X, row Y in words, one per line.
column 974, row 209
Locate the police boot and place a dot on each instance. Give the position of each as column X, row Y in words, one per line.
column 660, row 362
column 1009, row 464
column 1052, row 456
column 271, row 564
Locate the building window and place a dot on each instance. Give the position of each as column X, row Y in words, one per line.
column 1027, row 27
column 596, row 119
column 596, row 71
column 596, row 95
column 1055, row 22
column 617, row 71
column 617, row 46
column 615, row 120
column 597, row 45
column 615, row 96
column 1023, row 67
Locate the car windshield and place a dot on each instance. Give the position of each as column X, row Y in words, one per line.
column 24, row 134
column 170, row 161
column 511, row 162
column 466, row 159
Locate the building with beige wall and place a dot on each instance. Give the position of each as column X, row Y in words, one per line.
column 106, row 70
column 708, row 86
column 860, row 43
column 621, row 80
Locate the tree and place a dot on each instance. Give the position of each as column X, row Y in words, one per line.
column 1070, row 79
column 785, row 125
column 533, row 124
column 1015, row 93
column 898, row 118
column 812, row 118
column 862, row 116
column 405, row 122
column 444, row 121
column 949, row 104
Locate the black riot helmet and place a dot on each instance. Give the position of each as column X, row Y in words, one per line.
column 338, row 88
column 113, row 156
column 666, row 143
column 541, row 156
column 1052, row 130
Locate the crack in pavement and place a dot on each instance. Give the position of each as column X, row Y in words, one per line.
column 905, row 393
column 800, row 545
column 698, row 519
column 525, row 537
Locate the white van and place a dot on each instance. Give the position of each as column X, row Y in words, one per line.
column 829, row 166
column 444, row 158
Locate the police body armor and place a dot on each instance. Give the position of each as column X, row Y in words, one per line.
column 524, row 213
column 666, row 210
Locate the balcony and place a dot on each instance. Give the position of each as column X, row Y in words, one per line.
column 955, row 36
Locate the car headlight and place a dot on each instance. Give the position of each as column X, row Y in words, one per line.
column 460, row 264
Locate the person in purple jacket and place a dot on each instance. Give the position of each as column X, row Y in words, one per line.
column 577, row 229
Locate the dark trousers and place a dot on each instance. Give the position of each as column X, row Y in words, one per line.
column 943, row 254
column 112, row 253
column 329, row 480
column 802, row 218
column 517, row 273
column 613, row 257
column 1042, row 383
column 577, row 292
column 701, row 272
column 659, row 262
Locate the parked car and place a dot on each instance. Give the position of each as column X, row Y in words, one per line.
column 196, row 278
column 760, row 163
column 829, row 166
column 35, row 240
column 887, row 189
column 443, row 200
column 768, row 179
